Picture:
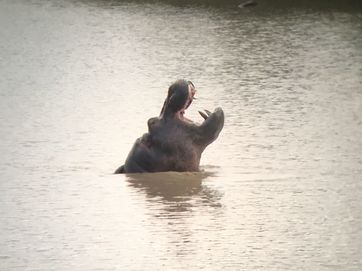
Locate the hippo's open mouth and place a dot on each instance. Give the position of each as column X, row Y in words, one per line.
column 190, row 98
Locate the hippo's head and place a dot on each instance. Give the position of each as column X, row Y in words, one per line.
column 179, row 98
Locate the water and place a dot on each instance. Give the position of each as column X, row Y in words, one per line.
column 281, row 187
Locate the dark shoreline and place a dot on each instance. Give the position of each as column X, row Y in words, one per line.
column 336, row 5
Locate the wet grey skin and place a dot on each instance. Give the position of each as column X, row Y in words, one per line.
column 173, row 142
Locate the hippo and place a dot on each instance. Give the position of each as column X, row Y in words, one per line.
column 173, row 142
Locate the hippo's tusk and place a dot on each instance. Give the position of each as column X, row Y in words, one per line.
column 203, row 115
column 207, row 112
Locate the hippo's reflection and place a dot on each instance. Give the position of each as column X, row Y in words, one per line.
column 177, row 191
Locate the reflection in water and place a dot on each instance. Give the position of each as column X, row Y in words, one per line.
column 176, row 202
column 179, row 192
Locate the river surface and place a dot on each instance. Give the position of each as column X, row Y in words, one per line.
column 281, row 187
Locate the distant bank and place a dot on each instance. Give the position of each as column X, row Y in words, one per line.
column 337, row 5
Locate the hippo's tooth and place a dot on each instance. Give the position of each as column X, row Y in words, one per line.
column 207, row 112
column 203, row 115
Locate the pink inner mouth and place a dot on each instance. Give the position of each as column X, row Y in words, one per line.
column 192, row 92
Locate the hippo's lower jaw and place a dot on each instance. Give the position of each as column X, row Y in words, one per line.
column 212, row 126
column 174, row 143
